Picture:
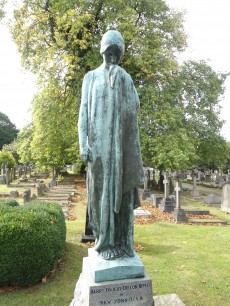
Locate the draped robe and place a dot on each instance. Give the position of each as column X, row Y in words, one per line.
column 108, row 128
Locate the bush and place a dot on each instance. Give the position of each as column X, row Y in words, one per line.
column 9, row 202
column 32, row 238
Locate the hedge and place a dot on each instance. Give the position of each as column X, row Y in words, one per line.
column 32, row 238
column 9, row 202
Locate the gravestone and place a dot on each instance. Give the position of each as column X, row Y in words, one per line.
column 53, row 183
column 14, row 194
column 2, row 176
column 146, row 192
column 2, row 179
column 140, row 212
column 155, row 199
column 178, row 212
column 87, row 236
column 166, row 204
column 212, row 199
column 225, row 199
column 195, row 192
column 27, row 195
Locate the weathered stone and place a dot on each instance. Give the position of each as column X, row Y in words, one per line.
column 27, row 195
column 225, row 200
column 166, row 205
column 212, row 199
column 14, row 194
column 2, row 179
column 156, row 199
column 120, row 268
column 130, row 292
column 168, row 300
column 53, row 183
column 139, row 212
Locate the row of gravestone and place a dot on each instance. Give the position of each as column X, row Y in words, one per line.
column 171, row 203
column 213, row 179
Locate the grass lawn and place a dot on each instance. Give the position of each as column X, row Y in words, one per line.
column 192, row 261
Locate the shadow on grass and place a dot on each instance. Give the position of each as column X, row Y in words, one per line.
column 58, row 287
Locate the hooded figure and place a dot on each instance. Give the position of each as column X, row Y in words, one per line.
column 109, row 143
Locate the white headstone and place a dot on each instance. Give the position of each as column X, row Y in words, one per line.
column 225, row 200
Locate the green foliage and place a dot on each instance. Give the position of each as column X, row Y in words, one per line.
column 60, row 41
column 32, row 239
column 7, row 159
column 9, row 202
column 8, row 131
column 183, row 131
column 24, row 140
column 2, row 12
column 12, row 148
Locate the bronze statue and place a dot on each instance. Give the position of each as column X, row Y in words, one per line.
column 109, row 143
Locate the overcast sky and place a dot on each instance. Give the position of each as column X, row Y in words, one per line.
column 207, row 25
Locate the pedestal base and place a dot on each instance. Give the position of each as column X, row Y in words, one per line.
column 121, row 268
column 179, row 215
column 130, row 292
column 166, row 205
column 195, row 193
column 87, row 238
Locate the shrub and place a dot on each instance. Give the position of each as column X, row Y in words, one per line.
column 32, row 238
column 9, row 202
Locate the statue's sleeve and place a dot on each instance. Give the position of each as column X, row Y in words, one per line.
column 83, row 117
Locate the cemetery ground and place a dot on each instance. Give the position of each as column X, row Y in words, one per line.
column 191, row 260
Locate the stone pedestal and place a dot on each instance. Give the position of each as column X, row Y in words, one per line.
column 225, row 201
column 156, row 198
column 195, row 193
column 166, row 205
column 144, row 193
column 87, row 236
column 53, row 183
column 180, row 215
column 2, row 179
column 121, row 268
column 130, row 292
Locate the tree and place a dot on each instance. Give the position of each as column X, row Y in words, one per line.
column 201, row 91
column 184, row 132
column 7, row 158
column 8, row 131
column 24, row 139
column 59, row 41
column 2, row 13
column 12, row 148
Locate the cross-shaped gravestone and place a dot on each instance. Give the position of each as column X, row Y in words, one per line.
column 177, row 190
column 165, row 182
column 146, row 179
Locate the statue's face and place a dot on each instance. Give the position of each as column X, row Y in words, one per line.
column 111, row 56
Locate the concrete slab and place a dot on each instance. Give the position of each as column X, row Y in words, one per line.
column 167, row 300
column 139, row 212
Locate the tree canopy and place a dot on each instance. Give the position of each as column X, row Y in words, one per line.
column 59, row 41
column 7, row 159
column 8, row 131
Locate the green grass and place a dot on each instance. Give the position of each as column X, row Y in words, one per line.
column 191, row 261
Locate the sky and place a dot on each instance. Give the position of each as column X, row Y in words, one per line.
column 207, row 25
